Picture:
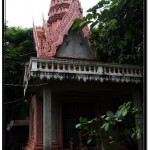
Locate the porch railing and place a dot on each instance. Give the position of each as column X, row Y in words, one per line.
column 83, row 67
column 55, row 68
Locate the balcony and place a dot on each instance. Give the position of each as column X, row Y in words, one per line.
column 80, row 70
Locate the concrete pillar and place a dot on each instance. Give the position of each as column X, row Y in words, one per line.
column 30, row 119
column 138, row 118
column 54, row 120
column 47, row 124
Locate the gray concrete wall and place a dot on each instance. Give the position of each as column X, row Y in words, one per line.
column 47, row 124
column 74, row 45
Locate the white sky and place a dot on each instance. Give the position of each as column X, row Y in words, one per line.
column 23, row 12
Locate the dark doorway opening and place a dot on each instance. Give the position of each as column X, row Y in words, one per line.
column 71, row 112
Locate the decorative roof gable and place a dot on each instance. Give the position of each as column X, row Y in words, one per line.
column 62, row 14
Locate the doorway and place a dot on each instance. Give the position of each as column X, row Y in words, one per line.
column 71, row 112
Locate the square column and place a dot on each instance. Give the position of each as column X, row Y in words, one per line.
column 47, row 124
column 38, row 139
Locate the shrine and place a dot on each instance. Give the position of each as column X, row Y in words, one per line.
column 66, row 81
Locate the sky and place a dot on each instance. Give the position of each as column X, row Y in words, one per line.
column 23, row 12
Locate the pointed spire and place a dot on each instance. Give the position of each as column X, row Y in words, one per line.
column 58, row 9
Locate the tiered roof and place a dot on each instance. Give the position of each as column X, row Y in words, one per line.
column 61, row 16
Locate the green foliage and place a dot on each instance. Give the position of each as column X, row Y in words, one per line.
column 17, row 41
column 116, row 30
column 113, row 128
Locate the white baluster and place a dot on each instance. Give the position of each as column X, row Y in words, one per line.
column 79, row 67
column 114, row 71
column 94, row 68
column 100, row 69
column 58, row 66
column 84, row 68
column 136, row 72
column 118, row 69
column 127, row 71
column 40, row 65
column 109, row 70
column 63, row 67
column 74, row 67
column 89, row 68
column 46, row 66
column 34, row 66
column 52, row 66
column 68, row 67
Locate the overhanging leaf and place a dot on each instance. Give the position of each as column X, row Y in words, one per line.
column 110, row 113
column 78, row 125
column 89, row 141
column 85, row 24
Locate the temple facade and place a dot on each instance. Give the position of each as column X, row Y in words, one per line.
column 66, row 81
